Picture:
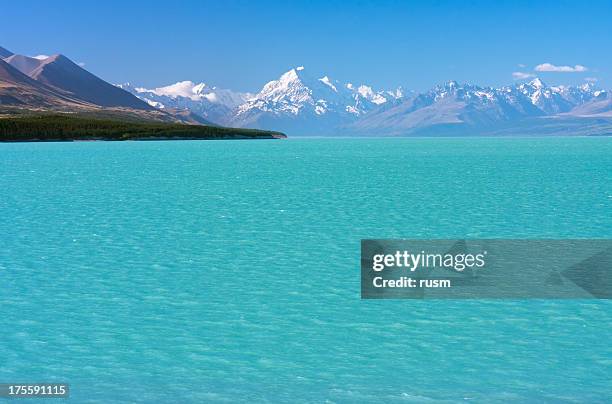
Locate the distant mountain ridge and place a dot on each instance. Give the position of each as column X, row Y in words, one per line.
column 211, row 103
column 301, row 104
column 468, row 109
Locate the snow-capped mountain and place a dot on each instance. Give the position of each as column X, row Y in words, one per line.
column 463, row 108
column 301, row 103
column 297, row 102
column 212, row 103
column 550, row 100
column 597, row 106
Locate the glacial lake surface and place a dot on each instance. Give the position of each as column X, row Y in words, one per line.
column 228, row 271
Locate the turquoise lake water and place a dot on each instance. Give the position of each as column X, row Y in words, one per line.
column 229, row 270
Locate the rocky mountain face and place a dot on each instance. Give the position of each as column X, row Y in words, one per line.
column 24, row 64
column 57, row 84
column 21, row 91
column 58, row 77
column 60, row 72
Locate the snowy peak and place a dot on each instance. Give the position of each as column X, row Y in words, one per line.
column 289, row 77
column 482, row 108
column 194, row 92
column 327, row 81
column 537, row 83
column 294, row 77
column 186, row 89
column 367, row 93
column 298, row 93
column 548, row 99
column 293, row 87
column 212, row 103
column 299, row 102
column 451, row 85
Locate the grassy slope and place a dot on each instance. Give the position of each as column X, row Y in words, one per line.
column 61, row 127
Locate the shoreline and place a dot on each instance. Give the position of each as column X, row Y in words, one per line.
column 151, row 139
column 61, row 128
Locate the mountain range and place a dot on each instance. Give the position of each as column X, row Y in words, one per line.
column 211, row 103
column 299, row 103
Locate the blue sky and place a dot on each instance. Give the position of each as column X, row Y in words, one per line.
column 243, row 44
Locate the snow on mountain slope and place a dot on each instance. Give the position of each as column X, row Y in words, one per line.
column 212, row 103
column 301, row 103
column 454, row 108
column 548, row 99
column 598, row 106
